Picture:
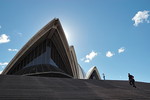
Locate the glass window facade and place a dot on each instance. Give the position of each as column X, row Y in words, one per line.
column 42, row 58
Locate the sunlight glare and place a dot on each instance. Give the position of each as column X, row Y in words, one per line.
column 67, row 34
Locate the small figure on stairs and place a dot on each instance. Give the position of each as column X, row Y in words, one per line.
column 103, row 76
column 131, row 80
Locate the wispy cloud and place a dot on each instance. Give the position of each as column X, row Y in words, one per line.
column 109, row 54
column 3, row 64
column 20, row 34
column 4, row 38
column 89, row 57
column 82, row 59
column 13, row 50
column 87, row 61
column 141, row 16
column 1, row 71
column 0, row 26
column 121, row 50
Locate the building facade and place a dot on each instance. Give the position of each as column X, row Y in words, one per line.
column 47, row 54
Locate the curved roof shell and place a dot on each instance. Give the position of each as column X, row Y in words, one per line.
column 94, row 73
column 53, row 27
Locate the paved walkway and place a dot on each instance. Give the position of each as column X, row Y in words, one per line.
column 44, row 88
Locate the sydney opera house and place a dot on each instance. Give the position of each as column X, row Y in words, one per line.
column 46, row 68
column 48, row 54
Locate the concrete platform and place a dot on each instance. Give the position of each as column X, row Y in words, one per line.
column 45, row 88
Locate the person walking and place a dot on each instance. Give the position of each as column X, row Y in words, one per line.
column 131, row 80
column 103, row 76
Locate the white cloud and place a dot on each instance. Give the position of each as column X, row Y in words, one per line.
column 3, row 64
column 141, row 16
column 109, row 54
column 120, row 50
column 12, row 49
column 1, row 71
column 82, row 59
column 89, row 57
column 87, row 61
column 4, row 38
column 20, row 34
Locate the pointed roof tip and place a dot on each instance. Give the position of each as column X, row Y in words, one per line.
column 56, row 19
column 94, row 67
column 91, row 70
column 55, row 24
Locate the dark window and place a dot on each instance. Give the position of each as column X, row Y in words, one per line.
column 57, row 58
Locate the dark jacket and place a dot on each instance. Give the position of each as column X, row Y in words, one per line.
column 131, row 77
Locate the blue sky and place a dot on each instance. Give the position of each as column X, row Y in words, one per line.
column 110, row 34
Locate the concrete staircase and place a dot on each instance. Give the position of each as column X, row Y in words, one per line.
column 46, row 88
